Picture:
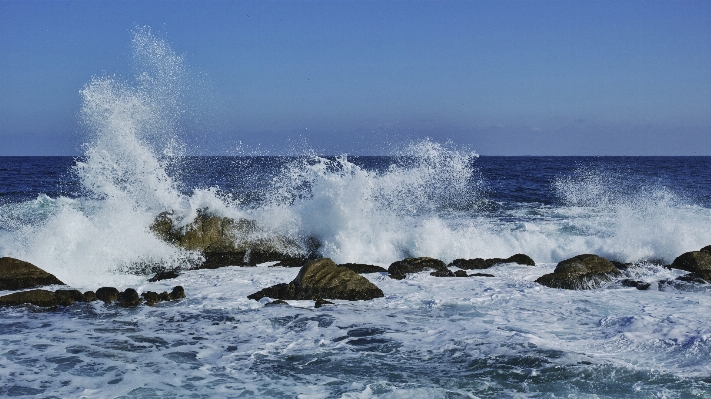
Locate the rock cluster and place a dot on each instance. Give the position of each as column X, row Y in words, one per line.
column 127, row 298
column 323, row 279
column 582, row 272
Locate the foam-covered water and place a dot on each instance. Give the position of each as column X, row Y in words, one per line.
column 87, row 220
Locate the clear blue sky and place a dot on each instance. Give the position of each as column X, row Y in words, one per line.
column 500, row 77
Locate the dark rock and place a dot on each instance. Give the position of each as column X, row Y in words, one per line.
column 16, row 274
column 480, row 263
column 698, row 278
column 129, row 298
column 277, row 302
column 292, row 262
column 177, row 293
column 640, row 285
column 620, row 265
column 228, row 242
column 582, row 272
column 166, row 275
column 107, row 294
column 481, row 275
column 400, row 269
column 706, row 249
column 320, row 279
column 443, row 273
column 697, row 262
column 361, row 268
column 68, row 297
column 164, row 296
column 42, row 298
column 461, row 273
column 322, row 302
column 90, row 296
column 151, row 298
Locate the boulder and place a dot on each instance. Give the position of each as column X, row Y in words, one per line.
column 225, row 241
column 177, row 293
column 42, row 298
column 129, row 298
column 400, row 269
column 320, row 279
column 480, row 263
column 16, row 274
column 361, row 268
column 90, row 296
column 107, row 294
column 151, row 298
column 68, row 297
column 698, row 263
column 582, row 272
column 443, row 273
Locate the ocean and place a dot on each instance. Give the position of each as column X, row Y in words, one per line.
column 86, row 220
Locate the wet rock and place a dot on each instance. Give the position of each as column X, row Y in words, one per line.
column 107, row 294
column 90, row 296
column 276, row 303
column 177, row 293
column 640, row 285
column 292, row 262
column 461, row 273
column 480, row 263
column 400, row 269
column 164, row 296
column 706, row 249
column 151, row 298
column 582, row 272
column 698, row 278
column 323, row 279
column 481, row 275
column 129, row 298
column 361, row 268
column 42, row 298
column 620, row 265
column 16, row 274
column 68, row 297
column 322, row 302
column 696, row 262
column 228, row 242
column 443, row 273
column 166, row 275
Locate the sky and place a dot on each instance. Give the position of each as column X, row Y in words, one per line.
column 363, row 77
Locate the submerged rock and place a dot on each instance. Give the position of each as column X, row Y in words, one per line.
column 321, row 279
column 640, row 285
column 400, row 269
column 443, row 273
column 322, row 302
column 166, row 275
column 68, row 297
column 276, row 303
column 16, row 274
column 582, row 272
column 42, row 298
column 481, row 275
column 480, row 263
column 361, row 268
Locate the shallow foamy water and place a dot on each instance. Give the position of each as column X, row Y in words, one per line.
column 428, row 337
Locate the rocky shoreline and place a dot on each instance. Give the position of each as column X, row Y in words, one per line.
column 319, row 278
